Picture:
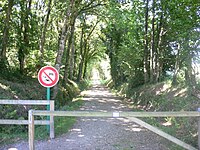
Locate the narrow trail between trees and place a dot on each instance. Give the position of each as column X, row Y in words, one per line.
column 102, row 133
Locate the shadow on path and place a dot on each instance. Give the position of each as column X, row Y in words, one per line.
column 102, row 133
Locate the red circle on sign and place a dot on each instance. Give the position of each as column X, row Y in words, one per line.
column 48, row 76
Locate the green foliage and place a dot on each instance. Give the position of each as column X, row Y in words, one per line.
column 171, row 42
column 84, row 84
column 70, row 91
column 14, row 133
column 164, row 97
column 126, row 39
column 29, row 88
column 177, row 127
column 66, row 94
column 62, row 124
column 120, row 31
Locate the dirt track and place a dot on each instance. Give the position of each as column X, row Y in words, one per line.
column 101, row 133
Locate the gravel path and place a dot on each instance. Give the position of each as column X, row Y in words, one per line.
column 101, row 133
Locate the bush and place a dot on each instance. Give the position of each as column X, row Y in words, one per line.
column 66, row 94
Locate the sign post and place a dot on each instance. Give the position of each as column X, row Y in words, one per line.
column 48, row 106
column 48, row 96
column 48, row 77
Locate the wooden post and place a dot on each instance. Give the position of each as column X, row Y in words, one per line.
column 31, row 130
column 129, row 115
column 52, row 133
column 199, row 133
column 198, row 129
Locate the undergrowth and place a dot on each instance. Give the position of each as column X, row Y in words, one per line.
column 14, row 133
column 27, row 89
column 164, row 97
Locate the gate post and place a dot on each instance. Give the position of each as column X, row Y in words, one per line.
column 199, row 130
column 31, row 130
column 52, row 132
column 199, row 133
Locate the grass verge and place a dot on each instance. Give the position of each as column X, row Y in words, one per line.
column 62, row 125
column 164, row 97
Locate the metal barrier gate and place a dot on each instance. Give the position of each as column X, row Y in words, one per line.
column 129, row 115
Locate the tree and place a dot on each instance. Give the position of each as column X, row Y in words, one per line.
column 6, row 33
column 69, row 47
column 161, row 30
column 143, row 39
column 43, row 35
column 62, row 41
column 146, row 76
column 84, row 46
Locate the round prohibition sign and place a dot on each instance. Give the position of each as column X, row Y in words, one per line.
column 48, row 76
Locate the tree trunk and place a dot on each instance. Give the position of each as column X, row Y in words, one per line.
column 85, row 69
column 80, row 70
column 189, row 72
column 63, row 36
column 83, row 60
column 66, row 73
column 177, row 67
column 158, row 68
column 152, row 50
column 146, row 78
column 6, row 32
column 43, row 36
column 72, row 60
column 62, row 43
column 86, row 56
column 75, row 70
column 84, row 50
column 23, row 50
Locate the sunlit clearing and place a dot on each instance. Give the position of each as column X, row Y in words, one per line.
column 95, row 76
column 105, row 65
